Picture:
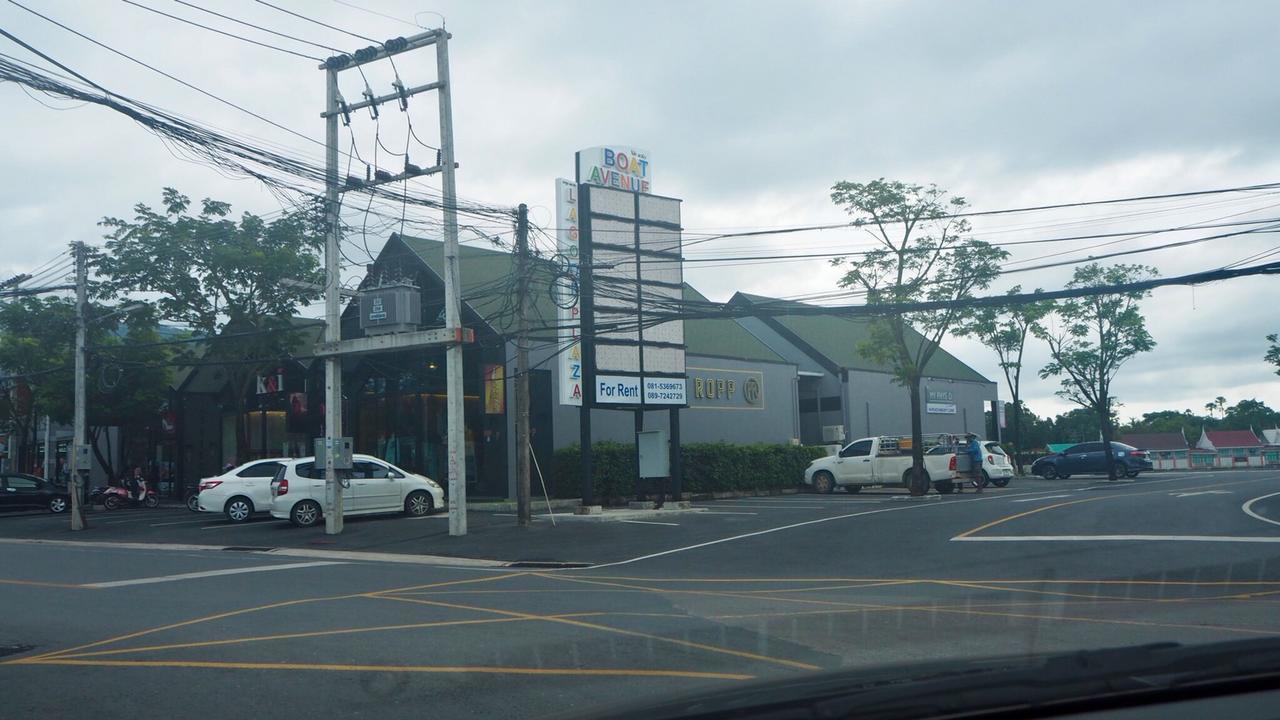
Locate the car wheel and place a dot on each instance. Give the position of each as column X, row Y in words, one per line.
column 853, row 489
column 418, row 504
column 110, row 502
column 944, row 487
column 305, row 513
column 923, row 488
column 193, row 502
column 57, row 504
column 238, row 509
column 823, row 482
column 1131, row 473
column 152, row 501
column 1049, row 472
column 998, row 482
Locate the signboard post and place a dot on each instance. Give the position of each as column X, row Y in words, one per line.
column 624, row 245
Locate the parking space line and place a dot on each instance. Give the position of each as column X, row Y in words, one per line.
column 649, row 522
column 1036, row 499
column 210, row 573
column 723, row 512
column 180, row 522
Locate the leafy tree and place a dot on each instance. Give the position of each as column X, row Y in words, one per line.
column 126, row 377
column 1093, row 337
column 1167, row 421
column 921, row 254
column 1218, row 405
column 237, row 283
column 1250, row 415
column 1273, row 352
column 1005, row 331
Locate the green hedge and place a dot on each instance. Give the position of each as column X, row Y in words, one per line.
column 707, row 467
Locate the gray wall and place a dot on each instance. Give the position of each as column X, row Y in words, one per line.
column 828, row 386
column 888, row 405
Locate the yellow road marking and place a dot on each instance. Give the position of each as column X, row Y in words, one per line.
column 1051, row 581
column 1003, row 520
column 1033, row 511
column 37, row 583
column 487, row 669
column 943, row 609
column 314, row 633
column 257, row 608
column 617, row 631
column 818, row 588
column 467, row 581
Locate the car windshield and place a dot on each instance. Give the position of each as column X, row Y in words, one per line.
column 497, row 358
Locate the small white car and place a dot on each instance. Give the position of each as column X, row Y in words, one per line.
column 240, row 492
column 375, row 486
column 995, row 463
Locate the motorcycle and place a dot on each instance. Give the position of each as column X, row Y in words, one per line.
column 114, row 498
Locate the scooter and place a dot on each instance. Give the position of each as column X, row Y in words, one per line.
column 114, row 498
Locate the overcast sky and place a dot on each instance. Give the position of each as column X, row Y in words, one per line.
column 750, row 112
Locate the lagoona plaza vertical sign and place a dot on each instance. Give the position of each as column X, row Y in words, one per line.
column 612, row 166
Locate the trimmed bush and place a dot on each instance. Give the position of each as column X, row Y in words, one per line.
column 706, row 467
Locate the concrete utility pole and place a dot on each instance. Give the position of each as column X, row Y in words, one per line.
column 80, row 451
column 50, row 463
column 523, row 510
column 332, row 312
column 453, row 335
column 452, row 300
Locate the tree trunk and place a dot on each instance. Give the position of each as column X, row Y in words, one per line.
column 919, row 485
column 1107, row 432
column 103, row 460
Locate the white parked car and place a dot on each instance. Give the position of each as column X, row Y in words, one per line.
column 376, row 486
column 880, row 461
column 995, row 463
column 240, row 492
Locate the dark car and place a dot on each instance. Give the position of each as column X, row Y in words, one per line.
column 25, row 492
column 1089, row 459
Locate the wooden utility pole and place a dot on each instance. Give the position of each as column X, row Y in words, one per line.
column 523, row 267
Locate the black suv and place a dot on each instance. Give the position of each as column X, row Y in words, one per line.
column 1089, row 459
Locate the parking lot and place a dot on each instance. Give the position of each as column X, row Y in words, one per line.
column 576, row 541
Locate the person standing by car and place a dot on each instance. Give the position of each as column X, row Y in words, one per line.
column 974, row 449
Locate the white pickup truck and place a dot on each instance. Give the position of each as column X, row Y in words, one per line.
column 883, row 461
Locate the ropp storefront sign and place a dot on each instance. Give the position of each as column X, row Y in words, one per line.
column 726, row 389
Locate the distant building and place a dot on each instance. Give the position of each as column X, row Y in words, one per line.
column 1168, row 451
column 1227, row 449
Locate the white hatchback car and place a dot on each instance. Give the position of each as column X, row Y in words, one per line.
column 376, row 486
column 240, row 492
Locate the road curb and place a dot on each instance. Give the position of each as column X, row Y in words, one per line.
column 349, row 555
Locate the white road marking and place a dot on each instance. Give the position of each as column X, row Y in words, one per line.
column 649, row 522
column 1201, row 492
column 787, row 527
column 787, row 506
column 915, row 497
column 1248, row 509
column 1110, row 538
column 210, row 573
column 725, row 512
column 1045, row 497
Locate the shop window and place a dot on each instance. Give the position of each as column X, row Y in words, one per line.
column 830, row 404
column 808, row 405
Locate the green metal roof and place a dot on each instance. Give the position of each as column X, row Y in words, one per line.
column 723, row 337
column 837, row 339
column 486, row 288
column 488, row 285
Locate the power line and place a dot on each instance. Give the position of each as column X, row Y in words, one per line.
column 379, row 14
column 258, row 27
column 317, row 22
column 222, row 32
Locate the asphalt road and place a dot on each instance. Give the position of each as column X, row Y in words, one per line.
column 129, row 619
